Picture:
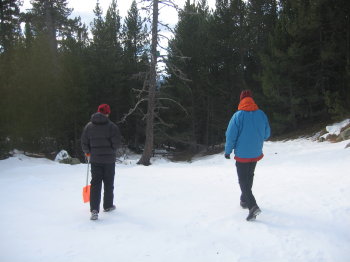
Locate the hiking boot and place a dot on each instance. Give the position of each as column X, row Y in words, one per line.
column 243, row 204
column 253, row 212
column 109, row 209
column 94, row 215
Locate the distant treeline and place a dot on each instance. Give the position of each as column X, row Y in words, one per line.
column 55, row 71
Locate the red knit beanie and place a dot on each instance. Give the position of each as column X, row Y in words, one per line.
column 245, row 93
column 104, row 109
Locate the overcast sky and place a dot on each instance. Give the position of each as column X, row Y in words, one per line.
column 84, row 9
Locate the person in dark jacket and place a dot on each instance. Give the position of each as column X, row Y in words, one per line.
column 100, row 140
column 245, row 134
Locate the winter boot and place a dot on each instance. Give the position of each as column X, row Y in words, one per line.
column 109, row 209
column 94, row 215
column 253, row 212
column 243, row 204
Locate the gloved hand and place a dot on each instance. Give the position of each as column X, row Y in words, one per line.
column 227, row 156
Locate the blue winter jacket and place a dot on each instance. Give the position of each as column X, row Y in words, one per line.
column 246, row 133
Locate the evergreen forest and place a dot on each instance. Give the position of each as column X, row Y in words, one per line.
column 55, row 70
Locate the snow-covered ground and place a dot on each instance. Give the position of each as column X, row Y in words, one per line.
column 182, row 212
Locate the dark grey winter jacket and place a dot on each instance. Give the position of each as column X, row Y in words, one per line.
column 100, row 138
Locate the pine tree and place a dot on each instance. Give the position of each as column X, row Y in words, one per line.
column 49, row 19
column 134, row 34
column 105, row 59
column 231, row 52
column 9, row 24
column 136, row 66
column 189, row 82
column 39, row 78
column 277, row 69
column 302, row 68
column 334, row 43
column 261, row 20
column 9, row 40
column 73, row 88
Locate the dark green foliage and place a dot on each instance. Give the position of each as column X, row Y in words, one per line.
column 9, row 24
column 293, row 55
column 104, row 58
column 53, row 76
column 9, row 39
column 219, row 53
column 305, row 68
column 189, row 55
column 135, row 72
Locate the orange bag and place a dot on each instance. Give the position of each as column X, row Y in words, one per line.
column 86, row 193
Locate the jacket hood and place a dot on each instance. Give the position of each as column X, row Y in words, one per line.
column 248, row 104
column 99, row 119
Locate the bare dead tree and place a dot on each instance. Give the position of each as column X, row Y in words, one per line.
column 147, row 152
column 150, row 79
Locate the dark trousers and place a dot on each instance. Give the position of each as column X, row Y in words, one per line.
column 245, row 173
column 102, row 173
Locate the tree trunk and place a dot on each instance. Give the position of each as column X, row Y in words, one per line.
column 147, row 152
column 50, row 27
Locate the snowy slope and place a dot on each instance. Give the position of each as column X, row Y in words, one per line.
column 182, row 212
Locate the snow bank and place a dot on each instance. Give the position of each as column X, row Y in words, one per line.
column 336, row 128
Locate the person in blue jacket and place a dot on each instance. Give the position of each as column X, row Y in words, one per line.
column 246, row 132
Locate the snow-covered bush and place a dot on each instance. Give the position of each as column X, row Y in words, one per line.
column 64, row 158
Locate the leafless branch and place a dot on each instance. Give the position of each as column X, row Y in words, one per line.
column 164, row 36
column 167, row 27
column 162, row 47
column 178, row 73
column 148, row 6
column 144, row 86
column 175, row 102
column 169, row 3
column 186, row 142
column 161, row 107
column 162, row 57
column 162, row 121
column 140, row 75
column 132, row 110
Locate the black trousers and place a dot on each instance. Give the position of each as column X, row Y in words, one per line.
column 245, row 173
column 102, row 173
